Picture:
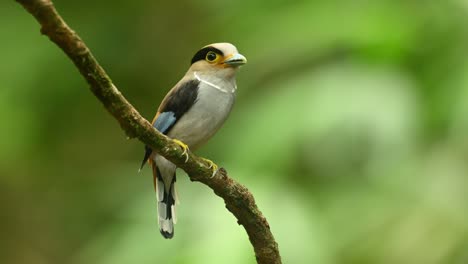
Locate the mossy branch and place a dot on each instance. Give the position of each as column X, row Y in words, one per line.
column 239, row 201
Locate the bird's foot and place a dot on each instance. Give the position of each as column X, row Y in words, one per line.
column 184, row 148
column 213, row 167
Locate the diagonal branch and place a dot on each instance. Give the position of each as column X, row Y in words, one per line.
column 239, row 201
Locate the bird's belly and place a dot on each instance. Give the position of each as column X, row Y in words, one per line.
column 205, row 117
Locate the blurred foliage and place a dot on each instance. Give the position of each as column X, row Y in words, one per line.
column 350, row 128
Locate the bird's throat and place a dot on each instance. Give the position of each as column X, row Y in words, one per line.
column 215, row 86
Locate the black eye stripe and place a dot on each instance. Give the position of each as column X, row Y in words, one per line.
column 201, row 54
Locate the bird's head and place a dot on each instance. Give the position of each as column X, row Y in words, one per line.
column 220, row 58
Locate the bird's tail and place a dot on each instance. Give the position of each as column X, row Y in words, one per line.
column 167, row 198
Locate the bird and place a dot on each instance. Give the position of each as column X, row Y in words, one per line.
column 190, row 114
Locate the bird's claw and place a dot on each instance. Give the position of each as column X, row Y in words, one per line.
column 212, row 166
column 184, row 148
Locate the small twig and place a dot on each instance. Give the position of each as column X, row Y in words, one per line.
column 239, row 201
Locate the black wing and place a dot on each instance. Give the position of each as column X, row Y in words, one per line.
column 173, row 107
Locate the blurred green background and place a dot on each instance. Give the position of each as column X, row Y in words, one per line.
column 350, row 128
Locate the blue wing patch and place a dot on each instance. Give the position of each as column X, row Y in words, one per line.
column 165, row 121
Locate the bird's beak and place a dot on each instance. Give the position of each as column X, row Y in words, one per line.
column 235, row 60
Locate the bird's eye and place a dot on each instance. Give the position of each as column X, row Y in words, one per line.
column 211, row 56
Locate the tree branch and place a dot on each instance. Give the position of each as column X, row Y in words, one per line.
column 239, row 201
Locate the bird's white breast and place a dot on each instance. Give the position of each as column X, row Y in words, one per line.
column 208, row 114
